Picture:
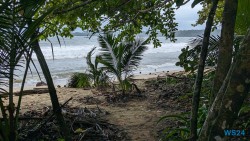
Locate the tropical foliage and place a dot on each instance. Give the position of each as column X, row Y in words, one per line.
column 242, row 19
column 18, row 39
column 22, row 21
column 120, row 58
column 15, row 49
column 181, row 130
column 94, row 77
column 96, row 73
column 189, row 57
column 97, row 16
column 181, row 133
column 79, row 80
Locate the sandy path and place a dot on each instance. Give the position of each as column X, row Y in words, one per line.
column 136, row 117
column 138, row 120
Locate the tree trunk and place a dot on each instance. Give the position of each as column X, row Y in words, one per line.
column 236, row 85
column 226, row 45
column 52, row 90
column 11, row 107
column 199, row 77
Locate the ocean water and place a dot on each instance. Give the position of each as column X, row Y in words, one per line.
column 69, row 57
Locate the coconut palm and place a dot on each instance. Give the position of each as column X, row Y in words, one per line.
column 96, row 73
column 120, row 58
column 14, row 44
column 17, row 29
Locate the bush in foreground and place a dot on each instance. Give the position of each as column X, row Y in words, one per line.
column 79, row 80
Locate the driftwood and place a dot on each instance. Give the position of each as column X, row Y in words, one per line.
column 172, row 76
column 27, row 92
column 137, row 89
column 32, row 132
column 35, row 91
column 84, row 123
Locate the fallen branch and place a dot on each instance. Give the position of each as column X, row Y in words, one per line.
column 36, row 129
column 137, row 89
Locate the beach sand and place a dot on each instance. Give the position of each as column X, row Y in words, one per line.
column 137, row 118
column 155, row 75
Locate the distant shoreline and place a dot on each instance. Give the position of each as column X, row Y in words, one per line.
column 180, row 33
column 142, row 76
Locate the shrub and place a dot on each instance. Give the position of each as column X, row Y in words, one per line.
column 189, row 57
column 181, row 132
column 79, row 80
column 120, row 58
column 97, row 74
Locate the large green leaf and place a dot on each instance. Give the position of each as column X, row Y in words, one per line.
column 109, row 49
column 132, row 55
column 88, row 59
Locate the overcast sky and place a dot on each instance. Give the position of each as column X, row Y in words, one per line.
column 185, row 16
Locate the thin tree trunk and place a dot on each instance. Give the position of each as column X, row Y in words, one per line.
column 199, row 77
column 11, row 108
column 226, row 45
column 52, row 90
column 236, row 85
column 29, row 55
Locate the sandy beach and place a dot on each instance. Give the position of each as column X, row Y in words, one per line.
column 33, row 100
column 138, row 116
column 41, row 99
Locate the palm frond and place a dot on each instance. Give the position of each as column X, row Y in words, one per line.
column 190, row 55
column 120, row 58
column 107, row 66
column 88, row 59
column 17, row 25
column 4, row 67
column 14, row 29
column 109, row 49
column 79, row 80
column 133, row 55
column 214, row 42
column 97, row 74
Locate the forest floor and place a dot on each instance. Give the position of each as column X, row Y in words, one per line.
column 134, row 117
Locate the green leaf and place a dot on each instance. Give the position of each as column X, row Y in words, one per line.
column 196, row 2
column 243, row 17
column 179, row 3
column 244, row 109
column 177, row 116
column 120, row 58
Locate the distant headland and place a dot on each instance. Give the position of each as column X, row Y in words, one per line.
column 180, row 33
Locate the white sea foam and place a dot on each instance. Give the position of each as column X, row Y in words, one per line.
column 78, row 47
column 69, row 58
column 81, row 51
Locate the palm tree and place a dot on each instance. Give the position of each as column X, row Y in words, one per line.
column 96, row 73
column 15, row 43
column 17, row 29
column 120, row 58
